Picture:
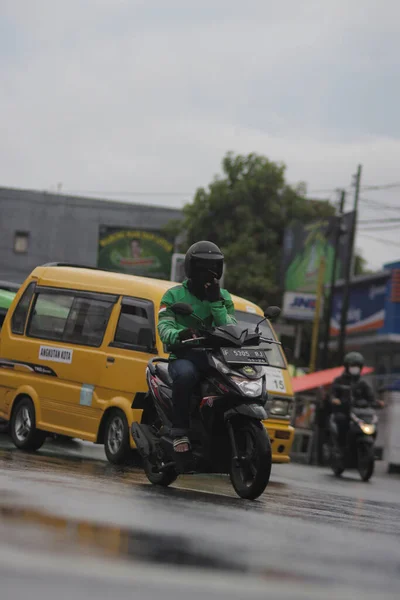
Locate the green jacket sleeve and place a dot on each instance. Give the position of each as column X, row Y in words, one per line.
column 223, row 311
column 168, row 328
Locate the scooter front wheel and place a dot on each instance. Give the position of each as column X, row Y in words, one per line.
column 366, row 463
column 251, row 469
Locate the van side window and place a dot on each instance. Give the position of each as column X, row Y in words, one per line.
column 135, row 327
column 88, row 321
column 21, row 312
column 49, row 316
column 70, row 318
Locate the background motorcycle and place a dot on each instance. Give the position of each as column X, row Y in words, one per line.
column 359, row 452
column 226, row 433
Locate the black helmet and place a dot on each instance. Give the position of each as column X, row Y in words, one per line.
column 204, row 260
column 354, row 359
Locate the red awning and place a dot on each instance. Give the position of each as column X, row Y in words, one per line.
column 320, row 378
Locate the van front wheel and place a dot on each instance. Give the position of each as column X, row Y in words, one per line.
column 116, row 438
column 23, row 426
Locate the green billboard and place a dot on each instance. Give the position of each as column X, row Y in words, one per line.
column 135, row 252
column 306, row 243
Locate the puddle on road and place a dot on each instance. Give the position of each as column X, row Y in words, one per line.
column 284, row 500
column 37, row 530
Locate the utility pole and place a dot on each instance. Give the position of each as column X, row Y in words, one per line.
column 349, row 261
column 328, row 309
column 317, row 315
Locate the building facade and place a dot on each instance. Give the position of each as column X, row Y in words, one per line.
column 373, row 320
column 40, row 227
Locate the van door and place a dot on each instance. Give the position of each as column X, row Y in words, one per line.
column 13, row 330
column 63, row 340
column 130, row 347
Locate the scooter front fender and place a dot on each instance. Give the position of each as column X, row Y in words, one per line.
column 251, row 411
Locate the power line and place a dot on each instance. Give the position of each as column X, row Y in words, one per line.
column 379, row 227
column 389, row 220
column 379, row 204
column 387, row 186
column 385, row 241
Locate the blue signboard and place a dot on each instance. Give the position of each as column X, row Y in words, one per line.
column 367, row 306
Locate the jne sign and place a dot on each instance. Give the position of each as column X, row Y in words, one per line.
column 299, row 306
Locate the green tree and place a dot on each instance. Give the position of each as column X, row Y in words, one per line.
column 246, row 212
column 360, row 265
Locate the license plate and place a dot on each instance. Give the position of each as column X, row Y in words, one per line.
column 242, row 356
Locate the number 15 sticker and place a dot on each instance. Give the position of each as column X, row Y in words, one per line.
column 275, row 380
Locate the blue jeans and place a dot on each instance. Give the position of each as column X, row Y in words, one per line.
column 186, row 371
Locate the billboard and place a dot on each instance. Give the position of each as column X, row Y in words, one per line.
column 366, row 307
column 303, row 247
column 299, row 306
column 135, row 252
column 178, row 268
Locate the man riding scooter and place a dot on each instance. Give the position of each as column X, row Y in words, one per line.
column 340, row 400
column 212, row 306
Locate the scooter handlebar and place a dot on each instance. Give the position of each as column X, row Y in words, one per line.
column 196, row 339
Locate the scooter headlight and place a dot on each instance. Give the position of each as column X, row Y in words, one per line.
column 253, row 388
column 368, row 428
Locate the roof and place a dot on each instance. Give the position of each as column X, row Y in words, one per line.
column 96, row 280
column 320, row 378
column 44, row 197
column 11, row 286
column 364, row 278
column 356, row 341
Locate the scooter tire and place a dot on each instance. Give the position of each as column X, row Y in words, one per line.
column 338, row 471
column 262, row 448
column 160, row 478
column 336, row 463
column 366, row 470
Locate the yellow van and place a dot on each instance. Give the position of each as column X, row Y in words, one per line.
column 73, row 353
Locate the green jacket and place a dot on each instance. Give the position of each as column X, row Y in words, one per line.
column 211, row 313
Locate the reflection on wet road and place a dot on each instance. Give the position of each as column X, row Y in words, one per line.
column 309, row 534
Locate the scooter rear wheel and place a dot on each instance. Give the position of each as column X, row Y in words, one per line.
column 250, row 475
column 156, row 477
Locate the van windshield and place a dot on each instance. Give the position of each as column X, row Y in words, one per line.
column 274, row 352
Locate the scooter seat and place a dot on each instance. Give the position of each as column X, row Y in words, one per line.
column 162, row 372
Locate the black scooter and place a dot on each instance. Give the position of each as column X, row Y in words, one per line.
column 226, row 432
column 359, row 452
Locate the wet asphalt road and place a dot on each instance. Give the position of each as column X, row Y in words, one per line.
column 73, row 526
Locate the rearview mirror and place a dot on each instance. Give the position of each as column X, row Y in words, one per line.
column 272, row 312
column 182, row 308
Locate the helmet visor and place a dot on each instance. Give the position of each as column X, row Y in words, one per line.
column 207, row 269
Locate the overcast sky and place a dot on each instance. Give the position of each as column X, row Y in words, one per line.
column 148, row 95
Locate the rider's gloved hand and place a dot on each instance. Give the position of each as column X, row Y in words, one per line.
column 186, row 334
column 213, row 291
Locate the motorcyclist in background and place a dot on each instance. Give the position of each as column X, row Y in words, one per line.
column 340, row 398
column 204, row 263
